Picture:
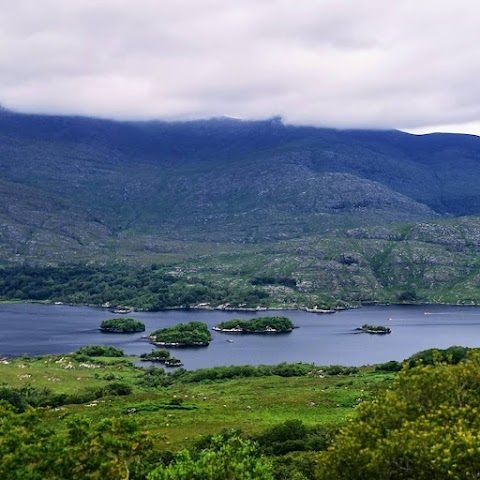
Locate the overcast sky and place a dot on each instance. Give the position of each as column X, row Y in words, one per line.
column 410, row 64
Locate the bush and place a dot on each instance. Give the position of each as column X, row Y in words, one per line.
column 295, row 466
column 425, row 427
column 391, row 366
column 115, row 389
column 292, row 436
column 233, row 458
column 100, row 351
column 14, row 398
column 109, row 449
column 155, row 378
column 340, row 370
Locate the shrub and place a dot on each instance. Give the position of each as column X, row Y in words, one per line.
column 100, row 351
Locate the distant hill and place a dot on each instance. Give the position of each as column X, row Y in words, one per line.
column 73, row 186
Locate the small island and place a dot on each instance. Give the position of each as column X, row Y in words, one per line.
column 192, row 334
column 256, row 325
column 376, row 329
column 122, row 310
column 161, row 356
column 122, row 325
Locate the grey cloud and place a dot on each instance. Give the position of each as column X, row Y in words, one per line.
column 373, row 63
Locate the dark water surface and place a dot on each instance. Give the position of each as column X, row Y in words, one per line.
column 322, row 339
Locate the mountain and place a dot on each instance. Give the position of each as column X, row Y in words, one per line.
column 74, row 187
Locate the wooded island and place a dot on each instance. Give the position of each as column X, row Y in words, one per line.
column 192, row 334
column 122, row 325
column 256, row 325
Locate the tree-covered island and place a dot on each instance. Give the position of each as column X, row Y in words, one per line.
column 256, row 325
column 122, row 325
column 161, row 356
column 191, row 334
column 378, row 329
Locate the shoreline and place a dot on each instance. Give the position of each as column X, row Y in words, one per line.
column 302, row 308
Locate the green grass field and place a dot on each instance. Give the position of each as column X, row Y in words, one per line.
column 183, row 411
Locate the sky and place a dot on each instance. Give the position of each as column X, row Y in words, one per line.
column 412, row 65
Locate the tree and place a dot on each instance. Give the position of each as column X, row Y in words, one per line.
column 226, row 459
column 426, row 427
column 30, row 449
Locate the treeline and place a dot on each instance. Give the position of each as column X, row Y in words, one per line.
column 146, row 288
column 248, row 371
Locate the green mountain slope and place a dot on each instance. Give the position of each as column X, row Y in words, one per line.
column 250, row 198
column 429, row 262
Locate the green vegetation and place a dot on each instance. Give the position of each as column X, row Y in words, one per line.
column 256, row 325
column 99, row 351
column 161, row 356
column 113, row 286
column 374, row 329
column 182, row 335
column 391, row 366
column 426, row 426
column 451, row 355
column 155, row 356
column 225, row 458
column 341, row 269
column 287, row 421
column 27, row 396
column 122, row 325
column 31, row 448
column 356, row 218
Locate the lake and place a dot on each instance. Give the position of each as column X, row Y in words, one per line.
column 323, row 339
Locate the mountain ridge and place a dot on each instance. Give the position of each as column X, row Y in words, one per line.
column 220, row 180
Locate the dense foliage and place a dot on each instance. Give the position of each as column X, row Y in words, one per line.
column 258, row 325
column 21, row 398
column 100, row 351
column 391, row 366
column 451, row 355
column 247, row 371
column 122, row 325
column 422, row 426
column 147, row 288
column 293, row 436
column 185, row 334
column 32, row 450
column 427, row 426
column 155, row 356
column 231, row 458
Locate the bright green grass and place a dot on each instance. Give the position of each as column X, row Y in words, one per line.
column 249, row 404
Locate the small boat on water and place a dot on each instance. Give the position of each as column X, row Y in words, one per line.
column 229, row 341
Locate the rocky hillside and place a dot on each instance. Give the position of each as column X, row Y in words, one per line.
column 78, row 187
column 426, row 262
